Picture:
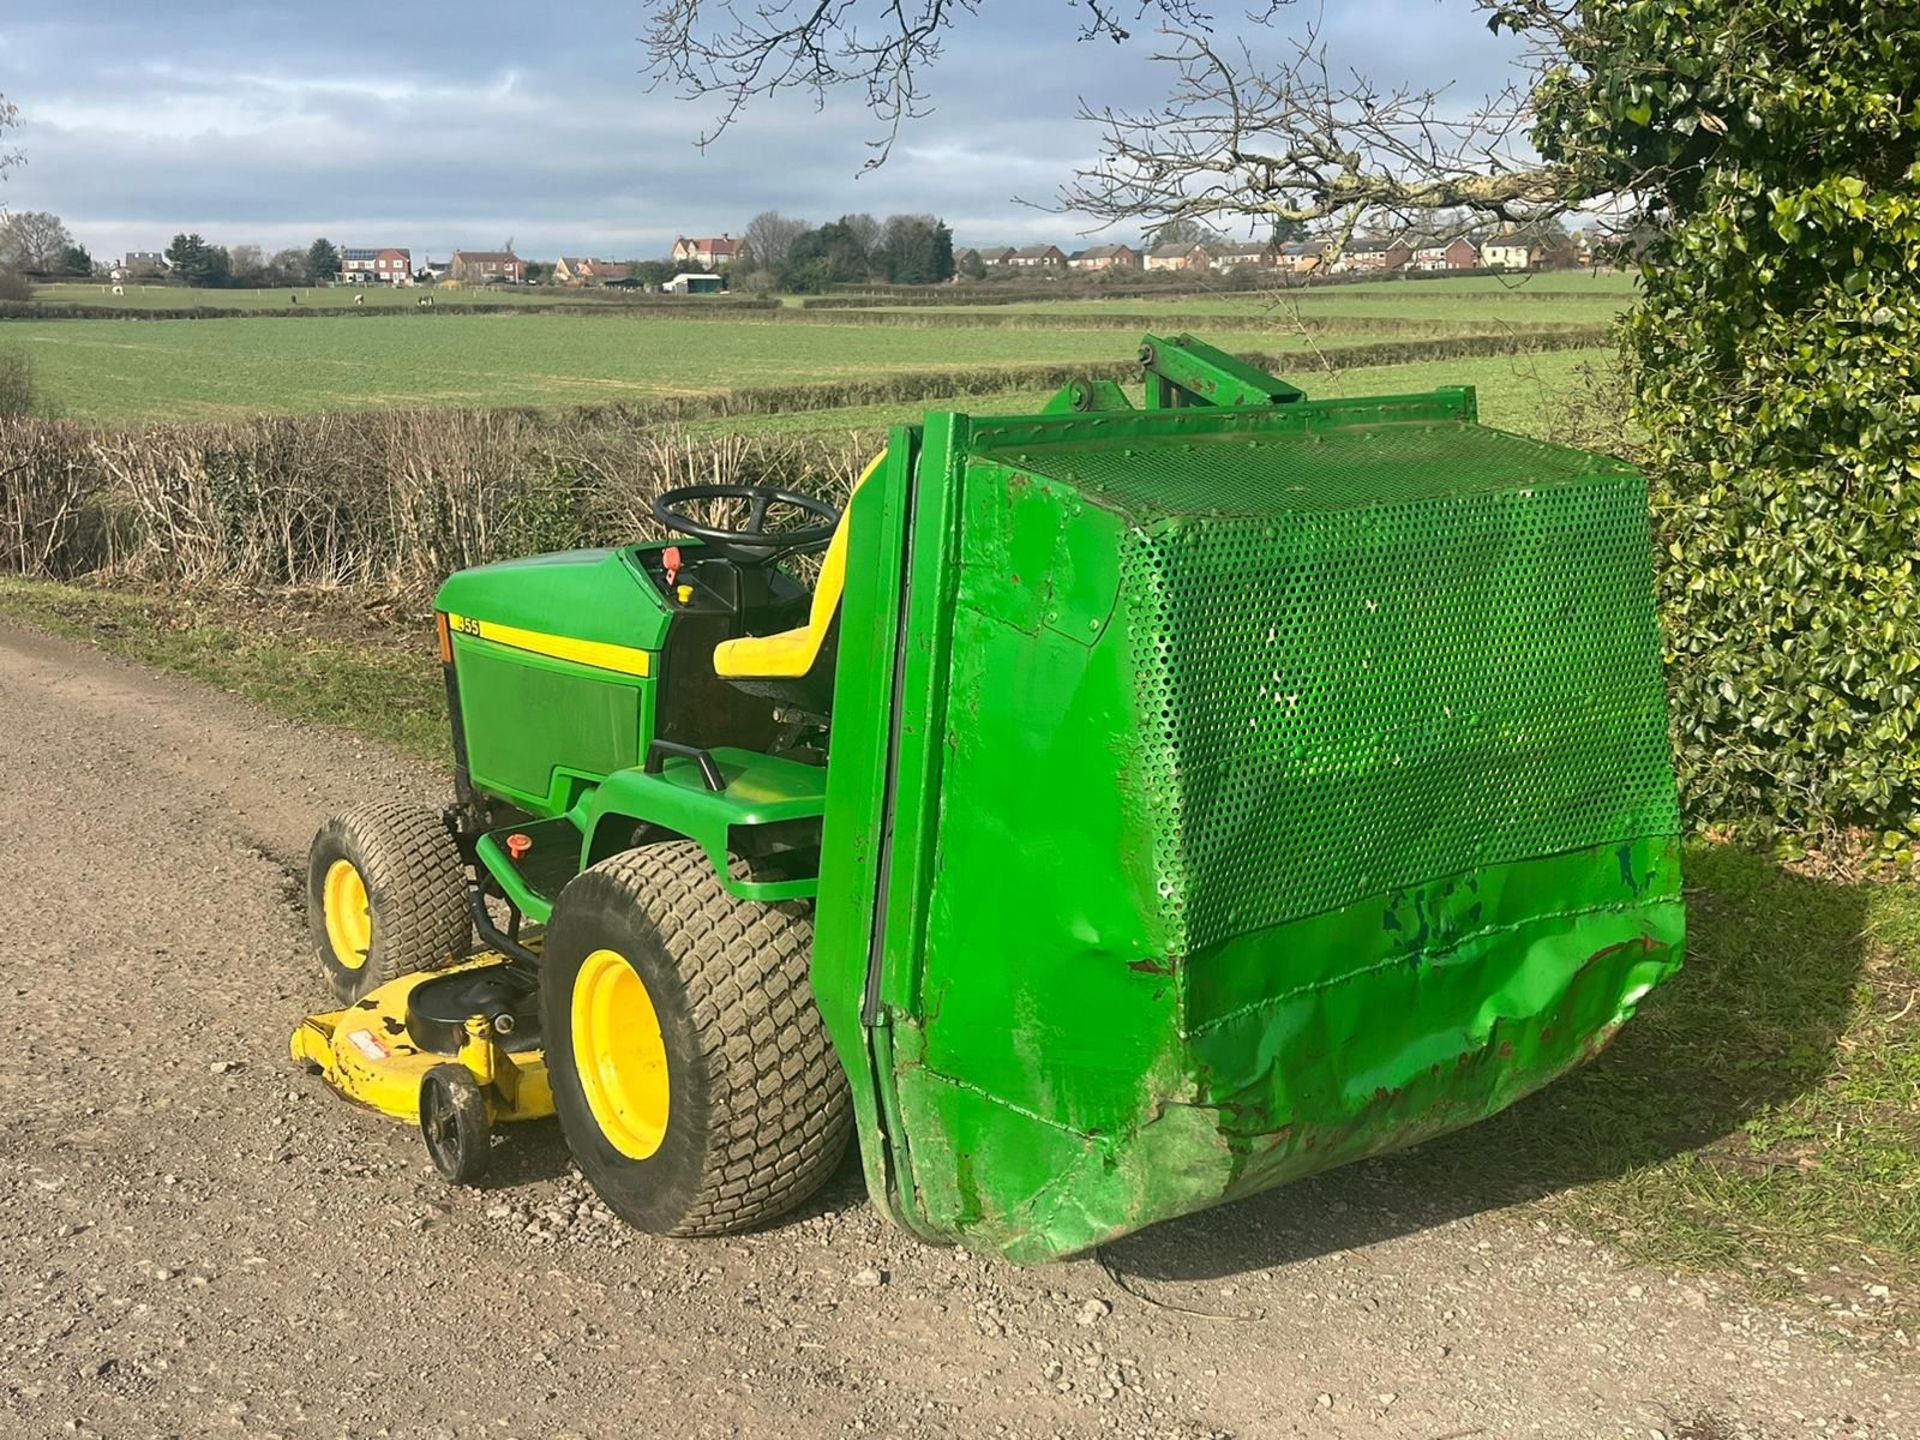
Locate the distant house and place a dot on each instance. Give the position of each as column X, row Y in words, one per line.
column 1178, row 257
column 1373, row 256
column 1232, row 257
column 1507, row 253
column 488, row 267
column 1300, row 257
column 709, row 254
column 692, row 284
column 141, row 262
column 990, row 255
column 1458, row 253
column 579, row 271
column 1106, row 257
column 388, row 266
column 1038, row 257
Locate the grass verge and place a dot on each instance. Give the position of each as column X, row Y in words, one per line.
column 329, row 665
column 1761, row 1117
column 1762, row 1114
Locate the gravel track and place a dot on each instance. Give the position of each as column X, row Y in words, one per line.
column 198, row 1240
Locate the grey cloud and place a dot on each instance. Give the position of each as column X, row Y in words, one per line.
column 250, row 123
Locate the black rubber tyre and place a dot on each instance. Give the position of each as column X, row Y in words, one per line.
column 454, row 1123
column 758, row 1112
column 415, row 886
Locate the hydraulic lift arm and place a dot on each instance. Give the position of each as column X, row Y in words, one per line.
column 1183, row 371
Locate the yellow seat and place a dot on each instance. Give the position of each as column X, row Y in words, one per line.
column 790, row 654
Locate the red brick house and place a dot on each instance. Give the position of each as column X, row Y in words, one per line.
column 389, row 266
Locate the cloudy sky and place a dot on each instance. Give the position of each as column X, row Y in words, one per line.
column 380, row 123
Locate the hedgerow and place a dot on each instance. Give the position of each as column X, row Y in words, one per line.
column 1773, row 361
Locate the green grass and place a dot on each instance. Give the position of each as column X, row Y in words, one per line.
column 167, row 370
column 284, row 664
column 1323, row 305
column 1760, row 1117
column 223, row 369
column 1516, row 392
column 1553, row 296
column 332, row 297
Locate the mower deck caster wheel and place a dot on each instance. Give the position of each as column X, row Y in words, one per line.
column 454, row 1123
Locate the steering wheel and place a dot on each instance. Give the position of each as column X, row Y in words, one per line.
column 753, row 543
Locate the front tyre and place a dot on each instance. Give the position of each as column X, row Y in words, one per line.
column 454, row 1124
column 690, row 1067
column 386, row 896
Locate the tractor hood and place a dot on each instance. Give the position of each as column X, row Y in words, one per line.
column 594, row 595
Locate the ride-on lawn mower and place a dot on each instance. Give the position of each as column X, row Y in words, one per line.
column 1143, row 808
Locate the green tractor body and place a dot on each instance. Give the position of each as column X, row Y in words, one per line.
column 1210, row 793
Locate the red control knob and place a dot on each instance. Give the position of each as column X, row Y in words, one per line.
column 518, row 845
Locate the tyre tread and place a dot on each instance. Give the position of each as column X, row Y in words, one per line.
column 779, row 1106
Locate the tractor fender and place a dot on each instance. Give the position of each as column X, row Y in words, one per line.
column 679, row 800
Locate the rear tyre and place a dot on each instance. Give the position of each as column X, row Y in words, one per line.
column 386, row 896
column 690, row 1067
column 455, row 1124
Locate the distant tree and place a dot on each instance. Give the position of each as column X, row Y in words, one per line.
column 75, row 260
column 836, row 254
column 323, row 262
column 216, row 268
column 287, row 267
column 538, row 271
column 1288, row 231
column 1182, row 230
column 187, row 254
column 653, row 272
column 975, row 268
column 915, row 250
column 770, row 235
column 249, row 267
column 34, row 242
column 865, row 232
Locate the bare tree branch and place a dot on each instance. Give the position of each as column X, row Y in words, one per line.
column 737, row 51
column 9, row 120
column 1296, row 141
column 1241, row 138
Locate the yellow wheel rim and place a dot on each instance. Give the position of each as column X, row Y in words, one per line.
column 343, row 899
column 620, row 1055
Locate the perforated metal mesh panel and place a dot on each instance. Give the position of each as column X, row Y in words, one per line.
column 1368, row 659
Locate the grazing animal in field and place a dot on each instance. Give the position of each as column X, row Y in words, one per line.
column 294, row 298
column 359, row 299
column 119, row 289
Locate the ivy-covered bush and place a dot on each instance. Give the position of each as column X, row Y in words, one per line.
column 1775, row 363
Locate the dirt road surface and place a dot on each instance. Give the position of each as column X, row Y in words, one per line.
column 198, row 1240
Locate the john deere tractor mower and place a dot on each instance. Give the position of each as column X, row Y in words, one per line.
column 1142, row 808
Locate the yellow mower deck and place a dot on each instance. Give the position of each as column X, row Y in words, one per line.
column 364, row 1052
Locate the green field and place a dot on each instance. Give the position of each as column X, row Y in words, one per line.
column 333, row 297
column 217, row 369
column 615, row 351
column 1516, row 392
